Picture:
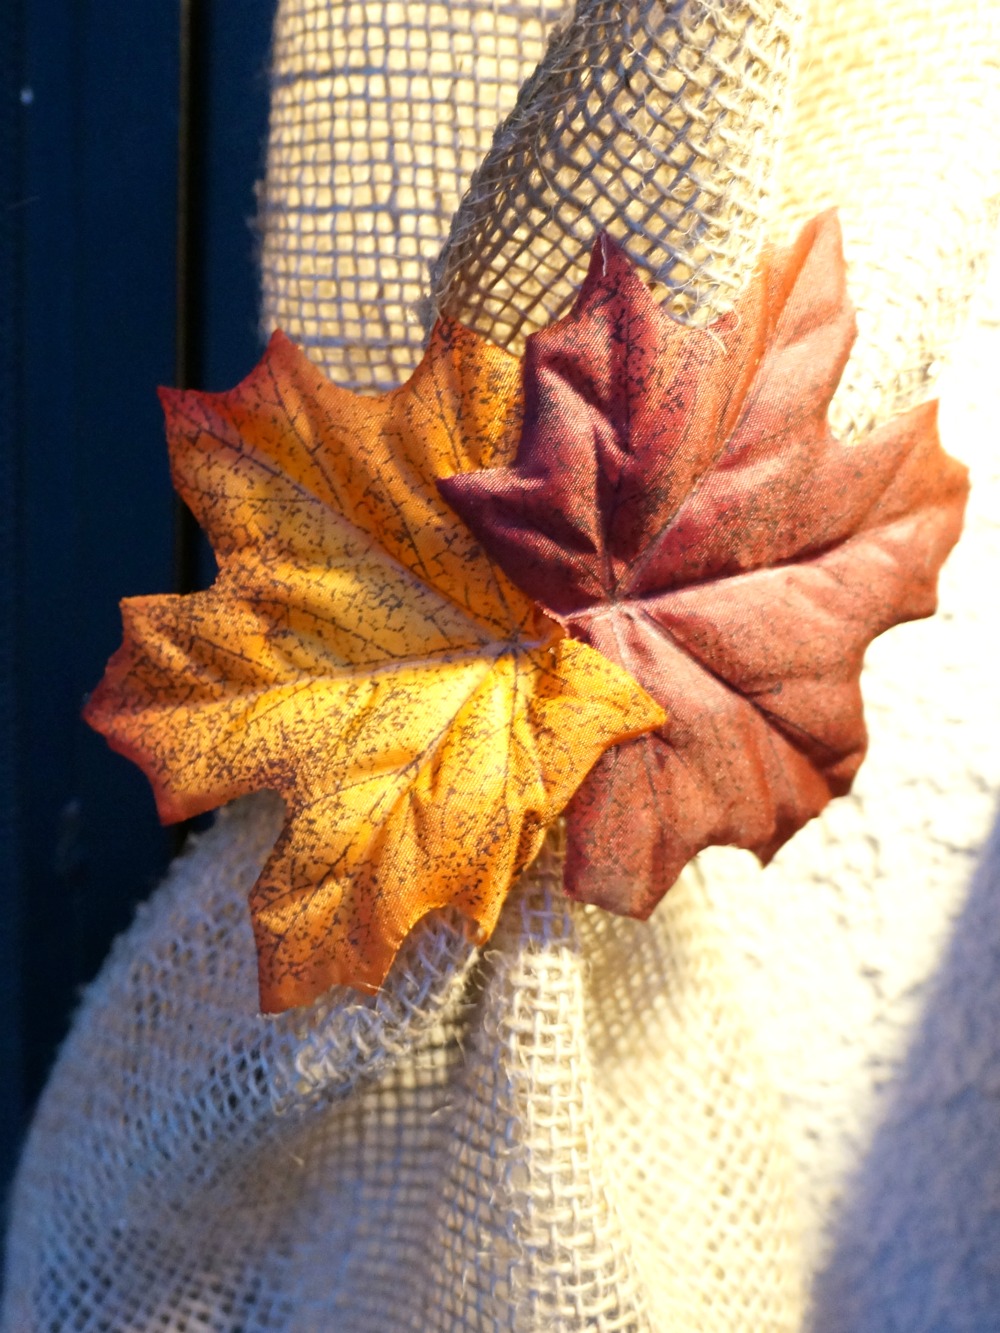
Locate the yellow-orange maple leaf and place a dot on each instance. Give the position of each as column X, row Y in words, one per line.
column 361, row 655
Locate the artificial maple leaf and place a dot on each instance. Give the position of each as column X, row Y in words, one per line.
column 359, row 654
column 679, row 502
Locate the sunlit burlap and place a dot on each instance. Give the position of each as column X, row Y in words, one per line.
column 380, row 112
column 594, row 1123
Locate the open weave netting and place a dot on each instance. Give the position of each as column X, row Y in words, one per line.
column 771, row 1107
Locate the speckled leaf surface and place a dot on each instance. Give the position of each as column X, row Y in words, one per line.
column 361, row 655
column 679, row 502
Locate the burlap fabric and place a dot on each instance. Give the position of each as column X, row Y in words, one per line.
column 593, row 1123
column 380, row 113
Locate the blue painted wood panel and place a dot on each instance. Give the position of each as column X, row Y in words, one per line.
column 89, row 281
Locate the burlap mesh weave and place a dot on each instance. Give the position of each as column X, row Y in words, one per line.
column 380, row 113
column 656, row 122
column 594, row 1123
column 890, row 123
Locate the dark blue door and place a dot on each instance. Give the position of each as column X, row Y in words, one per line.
column 132, row 136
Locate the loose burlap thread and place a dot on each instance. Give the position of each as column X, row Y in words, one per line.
column 584, row 1125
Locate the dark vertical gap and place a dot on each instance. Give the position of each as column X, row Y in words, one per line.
column 189, row 320
column 16, row 99
column 96, row 231
column 190, row 255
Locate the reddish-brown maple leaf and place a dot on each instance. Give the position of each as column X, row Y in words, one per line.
column 679, row 502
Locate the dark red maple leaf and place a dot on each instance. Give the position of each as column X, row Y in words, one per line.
column 679, row 502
